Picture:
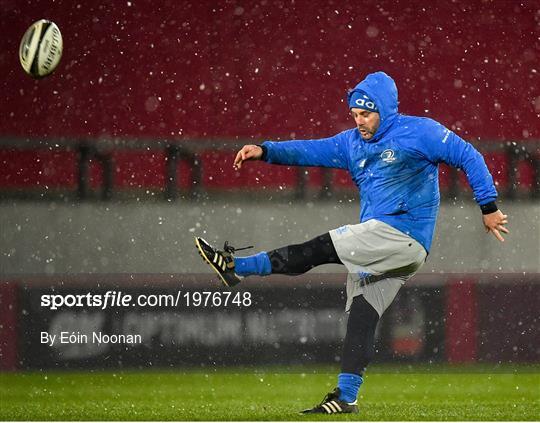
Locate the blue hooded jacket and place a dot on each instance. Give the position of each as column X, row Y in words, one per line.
column 396, row 170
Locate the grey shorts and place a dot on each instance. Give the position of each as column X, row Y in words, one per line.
column 379, row 260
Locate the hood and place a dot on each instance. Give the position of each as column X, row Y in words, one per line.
column 383, row 91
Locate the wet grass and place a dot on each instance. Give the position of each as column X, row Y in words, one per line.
column 389, row 393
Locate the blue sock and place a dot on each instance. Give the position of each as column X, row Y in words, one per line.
column 349, row 384
column 258, row 264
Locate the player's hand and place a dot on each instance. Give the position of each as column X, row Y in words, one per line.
column 247, row 152
column 494, row 223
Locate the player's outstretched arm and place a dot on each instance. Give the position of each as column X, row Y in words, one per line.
column 494, row 223
column 247, row 152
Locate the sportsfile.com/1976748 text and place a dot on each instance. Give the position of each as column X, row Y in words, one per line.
column 119, row 299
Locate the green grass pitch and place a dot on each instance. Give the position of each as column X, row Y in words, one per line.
column 389, row 393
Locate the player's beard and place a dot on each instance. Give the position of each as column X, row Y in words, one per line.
column 366, row 133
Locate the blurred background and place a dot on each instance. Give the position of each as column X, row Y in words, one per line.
column 112, row 164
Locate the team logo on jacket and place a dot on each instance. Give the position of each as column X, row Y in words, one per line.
column 387, row 156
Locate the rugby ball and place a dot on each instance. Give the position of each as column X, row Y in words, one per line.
column 41, row 48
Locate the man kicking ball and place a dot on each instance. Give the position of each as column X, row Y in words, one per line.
column 393, row 160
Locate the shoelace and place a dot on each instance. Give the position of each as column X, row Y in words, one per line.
column 231, row 250
column 329, row 397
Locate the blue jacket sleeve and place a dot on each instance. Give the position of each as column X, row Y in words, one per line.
column 325, row 152
column 442, row 145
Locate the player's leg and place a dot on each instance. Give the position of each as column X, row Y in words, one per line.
column 289, row 260
column 358, row 350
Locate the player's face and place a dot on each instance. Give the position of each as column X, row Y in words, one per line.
column 367, row 122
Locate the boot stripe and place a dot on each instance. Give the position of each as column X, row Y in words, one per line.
column 337, row 405
column 220, row 260
column 331, row 405
column 327, row 408
column 216, row 255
